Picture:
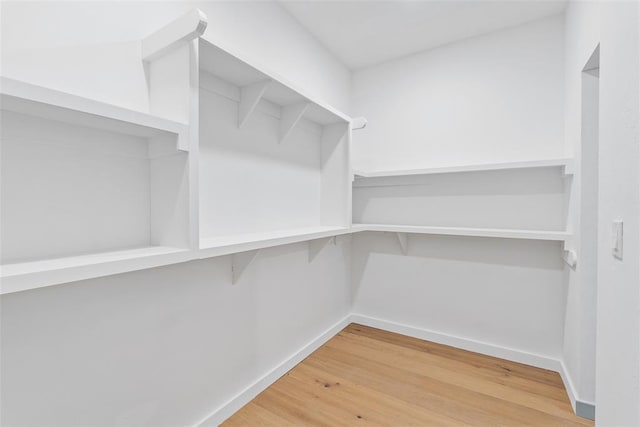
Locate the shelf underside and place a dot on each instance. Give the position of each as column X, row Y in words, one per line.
column 35, row 274
column 224, row 245
column 240, row 73
column 565, row 163
column 502, row 233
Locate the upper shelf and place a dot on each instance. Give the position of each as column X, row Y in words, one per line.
column 33, row 100
column 241, row 72
column 565, row 163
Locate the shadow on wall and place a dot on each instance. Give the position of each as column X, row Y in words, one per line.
column 508, row 293
column 430, row 249
column 523, row 199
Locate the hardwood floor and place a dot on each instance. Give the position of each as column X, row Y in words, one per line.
column 372, row 377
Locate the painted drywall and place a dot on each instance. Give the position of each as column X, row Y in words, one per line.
column 93, row 48
column 488, row 99
column 164, row 346
column 502, row 293
column 530, row 199
column 618, row 346
column 582, row 35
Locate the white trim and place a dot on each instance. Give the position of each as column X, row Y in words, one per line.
column 181, row 30
column 532, row 359
column 581, row 408
column 511, row 354
column 238, row 401
column 568, row 384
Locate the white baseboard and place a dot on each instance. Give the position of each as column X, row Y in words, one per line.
column 524, row 357
column 245, row 396
column 568, row 385
column 583, row 409
column 580, row 407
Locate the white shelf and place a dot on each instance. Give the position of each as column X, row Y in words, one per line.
column 243, row 73
column 225, row 245
column 37, row 274
column 38, row 101
column 565, row 163
column 560, row 236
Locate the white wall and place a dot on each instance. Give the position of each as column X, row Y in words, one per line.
column 499, row 293
column 618, row 333
column 493, row 98
column 603, row 367
column 531, row 199
column 488, row 99
column 582, row 35
column 165, row 346
column 92, row 48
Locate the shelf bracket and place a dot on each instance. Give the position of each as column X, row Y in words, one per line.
column 291, row 115
column 316, row 246
column 569, row 168
column 250, row 96
column 403, row 240
column 240, row 262
column 358, row 123
column 189, row 26
column 570, row 258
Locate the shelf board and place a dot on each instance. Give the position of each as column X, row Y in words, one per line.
column 225, row 245
column 559, row 236
column 37, row 274
column 241, row 72
column 38, row 101
column 566, row 163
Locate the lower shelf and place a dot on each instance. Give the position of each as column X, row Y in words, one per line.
column 36, row 274
column 503, row 233
column 30, row 275
column 225, row 245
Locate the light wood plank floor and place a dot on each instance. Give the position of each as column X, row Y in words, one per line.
column 372, row 377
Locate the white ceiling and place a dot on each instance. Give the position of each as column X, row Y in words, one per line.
column 366, row 32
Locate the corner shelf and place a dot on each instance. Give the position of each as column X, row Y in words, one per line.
column 36, row 274
column 50, row 104
column 559, row 236
column 361, row 177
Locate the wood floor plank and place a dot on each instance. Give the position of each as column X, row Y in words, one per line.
column 455, row 373
column 377, row 378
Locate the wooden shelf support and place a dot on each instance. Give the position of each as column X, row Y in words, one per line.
column 240, row 262
column 403, row 240
column 291, row 115
column 189, row 26
column 250, row 96
column 316, row 246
